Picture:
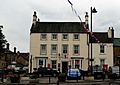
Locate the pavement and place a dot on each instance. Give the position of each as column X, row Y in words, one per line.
column 53, row 81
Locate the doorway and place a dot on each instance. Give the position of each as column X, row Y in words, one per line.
column 64, row 67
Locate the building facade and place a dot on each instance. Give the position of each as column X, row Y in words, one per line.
column 57, row 45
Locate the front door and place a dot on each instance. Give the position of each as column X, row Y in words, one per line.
column 64, row 67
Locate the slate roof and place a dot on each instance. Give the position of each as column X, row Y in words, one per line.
column 68, row 27
column 101, row 36
column 57, row 27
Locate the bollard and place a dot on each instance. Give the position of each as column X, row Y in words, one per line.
column 57, row 82
column 2, row 76
column 49, row 79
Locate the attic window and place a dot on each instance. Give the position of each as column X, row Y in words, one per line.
column 65, row 36
column 43, row 36
column 54, row 36
column 76, row 36
column 102, row 48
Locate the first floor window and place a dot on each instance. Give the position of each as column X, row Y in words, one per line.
column 65, row 48
column 43, row 49
column 54, row 49
column 54, row 64
column 76, row 49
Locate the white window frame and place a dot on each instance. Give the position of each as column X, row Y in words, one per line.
column 54, row 65
column 65, row 48
column 102, row 62
column 102, row 48
column 54, row 49
column 43, row 51
column 54, row 36
column 74, row 36
column 43, row 62
column 43, row 36
column 65, row 36
column 74, row 49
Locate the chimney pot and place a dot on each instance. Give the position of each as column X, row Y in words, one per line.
column 14, row 49
column 8, row 46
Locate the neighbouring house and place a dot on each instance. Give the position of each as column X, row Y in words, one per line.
column 57, row 45
column 116, row 51
column 22, row 59
column 8, row 56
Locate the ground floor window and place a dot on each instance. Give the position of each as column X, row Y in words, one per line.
column 76, row 63
column 42, row 62
column 102, row 62
column 54, row 64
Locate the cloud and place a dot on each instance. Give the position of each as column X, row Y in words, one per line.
column 16, row 16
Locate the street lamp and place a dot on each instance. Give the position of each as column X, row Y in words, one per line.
column 59, row 63
column 93, row 10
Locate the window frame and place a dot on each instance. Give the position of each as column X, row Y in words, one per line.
column 102, row 48
column 43, row 36
column 54, row 65
column 78, row 50
column 74, row 36
column 54, row 36
column 65, row 36
column 65, row 48
column 54, row 51
column 43, row 52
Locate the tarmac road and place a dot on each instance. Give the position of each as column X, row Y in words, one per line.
column 53, row 81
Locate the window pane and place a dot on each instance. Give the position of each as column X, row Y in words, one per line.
column 43, row 49
column 65, row 36
column 65, row 48
column 76, row 36
column 54, row 48
column 43, row 36
column 54, row 36
column 40, row 62
column 54, row 64
column 101, row 48
column 76, row 49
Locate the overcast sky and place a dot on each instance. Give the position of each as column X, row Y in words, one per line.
column 16, row 16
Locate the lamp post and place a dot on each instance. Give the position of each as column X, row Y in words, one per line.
column 93, row 10
column 31, row 64
column 59, row 62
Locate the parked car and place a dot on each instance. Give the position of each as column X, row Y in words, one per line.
column 73, row 74
column 44, row 71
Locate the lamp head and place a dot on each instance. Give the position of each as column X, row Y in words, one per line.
column 94, row 10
